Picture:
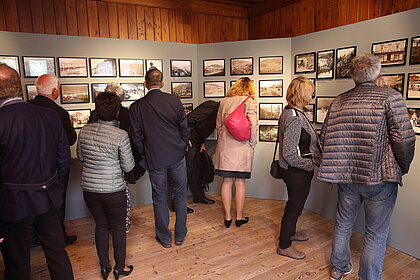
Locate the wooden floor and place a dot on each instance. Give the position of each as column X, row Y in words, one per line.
column 211, row 251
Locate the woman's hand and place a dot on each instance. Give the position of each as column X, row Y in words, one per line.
column 1, row 240
column 203, row 147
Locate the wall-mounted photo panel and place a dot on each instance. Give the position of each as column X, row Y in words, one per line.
column 394, row 81
column 133, row 91
column 214, row 89
column 271, row 88
column 131, row 67
column 74, row 93
column 34, row 66
column 30, row 92
column 181, row 68
column 214, row 67
column 188, row 107
column 305, row 63
column 97, row 88
column 242, row 66
column 322, row 107
column 309, row 111
column 79, row 117
column 415, row 50
column 271, row 65
column 270, row 111
column 413, row 88
column 103, row 67
column 72, row 67
column 391, row 53
column 154, row 63
column 325, row 64
column 11, row 61
column 182, row 89
column 268, row 133
column 343, row 60
column 414, row 115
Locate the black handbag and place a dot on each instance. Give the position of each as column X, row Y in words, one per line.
column 207, row 168
column 276, row 170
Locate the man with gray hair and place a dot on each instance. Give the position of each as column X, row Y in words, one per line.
column 368, row 144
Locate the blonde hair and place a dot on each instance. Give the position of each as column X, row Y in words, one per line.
column 243, row 87
column 299, row 92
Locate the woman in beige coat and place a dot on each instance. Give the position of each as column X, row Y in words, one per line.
column 233, row 158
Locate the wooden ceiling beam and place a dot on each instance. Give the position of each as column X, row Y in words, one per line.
column 269, row 6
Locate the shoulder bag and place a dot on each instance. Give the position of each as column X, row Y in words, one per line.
column 276, row 170
column 238, row 124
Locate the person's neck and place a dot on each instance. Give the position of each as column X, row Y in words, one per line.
column 150, row 88
column 296, row 107
column 48, row 96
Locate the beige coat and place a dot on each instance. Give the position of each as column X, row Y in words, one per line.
column 231, row 154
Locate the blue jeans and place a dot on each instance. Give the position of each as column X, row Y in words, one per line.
column 176, row 176
column 379, row 201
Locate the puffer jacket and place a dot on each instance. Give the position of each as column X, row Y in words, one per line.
column 367, row 137
column 105, row 151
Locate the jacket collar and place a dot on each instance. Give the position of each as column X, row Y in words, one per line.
column 11, row 101
column 111, row 123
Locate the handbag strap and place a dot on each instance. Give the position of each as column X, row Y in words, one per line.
column 277, row 143
column 310, row 124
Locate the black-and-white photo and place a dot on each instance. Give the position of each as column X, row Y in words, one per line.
column 414, row 115
column 271, row 65
column 103, row 67
column 182, row 89
column 268, row 133
column 413, row 89
column 323, row 105
column 154, row 63
column 11, row 61
column 305, row 63
column 79, row 117
column 214, row 89
column 72, row 67
column 214, row 67
column 343, row 60
column 30, row 92
column 133, row 91
column 36, row 66
column 325, row 65
column 74, row 93
column 130, row 67
column 242, row 66
column 97, row 88
column 391, row 52
column 181, row 68
column 394, row 81
column 415, row 50
column 309, row 111
column 188, row 107
column 271, row 88
column 270, row 111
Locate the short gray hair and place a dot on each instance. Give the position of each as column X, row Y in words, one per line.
column 115, row 89
column 46, row 83
column 365, row 68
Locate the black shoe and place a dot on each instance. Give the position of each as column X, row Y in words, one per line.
column 241, row 222
column 165, row 245
column 228, row 223
column 179, row 243
column 69, row 239
column 190, row 210
column 105, row 272
column 118, row 273
column 203, row 200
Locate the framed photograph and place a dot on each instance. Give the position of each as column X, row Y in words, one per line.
column 181, row 68
column 188, row 107
column 268, row 133
column 74, row 93
column 182, row 90
column 413, row 88
column 271, row 65
column 103, row 67
column 79, row 117
column 415, row 50
column 395, row 81
column 270, row 111
column 242, row 66
column 271, row 88
column 322, row 107
column 214, row 89
column 34, row 66
column 305, row 63
column 343, row 59
column 414, row 115
column 30, row 92
column 309, row 111
column 391, row 52
column 325, row 64
column 214, row 67
column 131, row 67
column 154, row 63
column 96, row 88
column 11, row 61
column 72, row 67
column 133, row 91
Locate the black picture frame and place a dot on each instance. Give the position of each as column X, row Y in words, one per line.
column 133, row 91
column 103, row 64
column 66, row 70
column 268, row 111
column 156, row 63
column 319, row 101
column 215, row 83
column 240, row 70
column 68, row 90
column 386, row 80
column 79, row 120
column 29, row 69
column 413, row 86
column 268, row 65
column 131, row 67
column 342, row 63
column 309, row 111
column 263, row 84
column 11, row 61
column 267, row 132
column 414, row 115
column 305, row 63
column 30, row 91
column 96, row 88
column 415, row 50
column 181, row 70
column 214, row 67
column 325, row 64
column 389, row 58
column 186, row 91
column 188, row 107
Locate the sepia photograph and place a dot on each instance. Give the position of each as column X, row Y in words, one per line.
column 309, row 110
column 394, row 81
column 33, row 67
column 271, row 65
column 181, row 68
column 103, row 67
column 30, row 92
column 305, row 63
column 214, row 67
column 154, row 63
column 271, row 88
column 133, row 91
column 344, row 57
column 414, row 115
column 11, row 61
column 270, row 111
column 188, row 107
column 69, row 67
column 413, row 88
column 322, row 107
column 74, row 93
column 182, row 90
column 214, row 89
column 96, row 88
column 325, row 64
column 415, row 50
column 130, row 67
column 79, row 117
column 391, row 53
column 242, row 66
column 268, row 133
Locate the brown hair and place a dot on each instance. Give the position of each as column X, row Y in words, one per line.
column 10, row 85
column 153, row 78
column 243, row 87
column 107, row 105
column 299, row 92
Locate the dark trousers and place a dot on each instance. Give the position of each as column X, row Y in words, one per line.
column 298, row 182
column 63, row 204
column 16, row 247
column 109, row 211
column 193, row 159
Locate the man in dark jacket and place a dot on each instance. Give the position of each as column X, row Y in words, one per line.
column 34, row 161
column 368, row 144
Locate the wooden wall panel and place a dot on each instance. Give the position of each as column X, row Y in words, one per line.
column 24, row 14
column 37, row 16
column 202, row 29
column 400, row 6
column 132, row 22
column 413, row 4
column 49, row 16
column 195, row 28
column 71, row 16
column 172, row 26
column 187, row 27
column 11, row 15
column 353, row 11
column 2, row 17
column 103, row 18
column 164, row 20
column 386, row 7
column 179, row 26
column 157, row 25
column 343, row 12
column 148, row 17
column 374, row 8
column 113, row 20
column 93, row 19
column 60, row 17
column 209, row 29
column 363, row 10
column 122, row 21
column 141, row 23
column 82, row 16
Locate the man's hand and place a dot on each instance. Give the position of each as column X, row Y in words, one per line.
column 189, row 142
column 1, row 240
column 203, row 147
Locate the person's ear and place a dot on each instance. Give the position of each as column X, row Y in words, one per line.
column 163, row 83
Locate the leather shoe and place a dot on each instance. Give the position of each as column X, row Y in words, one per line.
column 179, row 242
column 241, row 222
column 118, row 273
column 164, row 245
column 299, row 236
column 228, row 223
column 203, row 200
column 291, row 253
column 105, row 270
column 69, row 239
column 190, row 210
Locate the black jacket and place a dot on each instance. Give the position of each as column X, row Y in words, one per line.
column 202, row 121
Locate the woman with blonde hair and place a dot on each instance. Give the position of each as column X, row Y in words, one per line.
column 233, row 158
column 299, row 150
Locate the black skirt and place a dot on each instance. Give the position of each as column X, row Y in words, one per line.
column 232, row 174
